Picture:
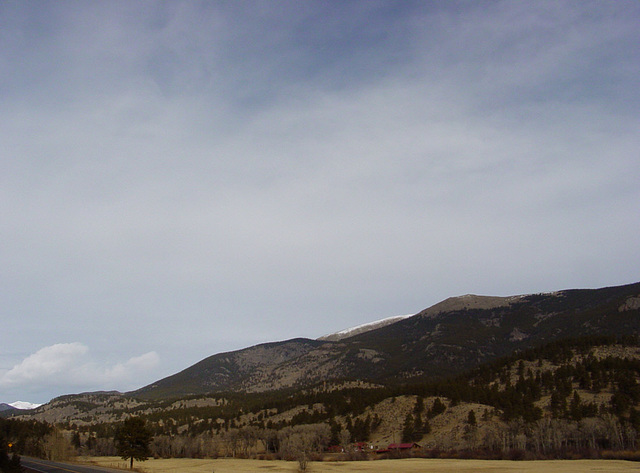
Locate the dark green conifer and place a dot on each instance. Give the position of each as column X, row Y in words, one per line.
column 132, row 440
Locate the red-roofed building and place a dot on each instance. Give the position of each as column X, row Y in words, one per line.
column 404, row 447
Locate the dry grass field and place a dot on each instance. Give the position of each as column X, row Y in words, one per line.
column 409, row 465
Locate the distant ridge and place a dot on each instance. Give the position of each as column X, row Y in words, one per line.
column 17, row 407
column 7, row 410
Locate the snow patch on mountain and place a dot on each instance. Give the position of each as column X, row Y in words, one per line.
column 23, row 405
column 350, row 332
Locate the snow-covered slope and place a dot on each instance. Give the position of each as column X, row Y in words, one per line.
column 350, row 332
column 24, row 405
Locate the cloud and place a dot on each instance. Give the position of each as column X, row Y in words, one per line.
column 70, row 365
column 129, row 369
column 46, row 364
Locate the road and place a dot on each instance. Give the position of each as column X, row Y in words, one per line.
column 43, row 466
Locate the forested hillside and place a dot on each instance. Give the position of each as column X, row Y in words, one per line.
column 574, row 397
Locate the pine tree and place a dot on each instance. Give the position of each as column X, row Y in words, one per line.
column 335, row 432
column 575, row 407
column 408, row 431
column 471, row 418
column 132, row 440
column 438, row 407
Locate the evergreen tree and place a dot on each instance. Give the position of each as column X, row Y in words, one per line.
column 335, row 432
column 438, row 407
column 418, row 426
column 575, row 407
column 419, row 407
column 132, row 440
column 408, row 432
column 471, row 418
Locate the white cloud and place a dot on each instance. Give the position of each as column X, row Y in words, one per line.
column 129, row 369
column 46, row 364
column 70, row 365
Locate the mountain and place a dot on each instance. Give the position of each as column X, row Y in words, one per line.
column 17, row 407
column 6, row 407
column 454, row 335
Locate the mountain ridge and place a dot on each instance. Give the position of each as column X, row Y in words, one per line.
column 358, row 329
column 448, row 337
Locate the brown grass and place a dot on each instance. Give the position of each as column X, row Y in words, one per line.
column 408, row 465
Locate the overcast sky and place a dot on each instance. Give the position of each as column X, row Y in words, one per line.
column 184, row 178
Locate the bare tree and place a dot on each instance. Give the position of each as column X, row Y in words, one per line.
column 269, row 438
column 613, row 430
column 57, row 446
column 232, row 441
column 591, row 429
column 345, row 439
column 301, row 442
column 248, row 439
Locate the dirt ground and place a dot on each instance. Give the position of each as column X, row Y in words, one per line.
column 409, row 465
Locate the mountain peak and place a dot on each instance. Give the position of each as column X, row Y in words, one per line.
column 16, row 408
column 469, row 301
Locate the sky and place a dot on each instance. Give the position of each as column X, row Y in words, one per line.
column 184, row 178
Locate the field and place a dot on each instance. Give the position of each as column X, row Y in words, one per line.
column 409, row 465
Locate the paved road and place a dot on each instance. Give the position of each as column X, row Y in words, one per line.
column 43, row 466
